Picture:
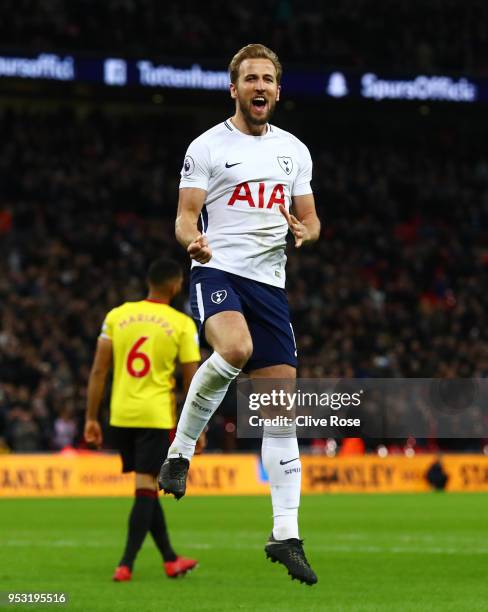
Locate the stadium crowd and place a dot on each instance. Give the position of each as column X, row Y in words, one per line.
column 425, row 35
column 397, row 286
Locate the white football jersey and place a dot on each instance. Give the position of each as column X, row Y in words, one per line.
column 246, row 179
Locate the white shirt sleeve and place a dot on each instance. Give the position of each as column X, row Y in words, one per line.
column 196, row 166
column 301, row 185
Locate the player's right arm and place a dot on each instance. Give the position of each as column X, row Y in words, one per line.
column 190, row 206
column 195, row 177
column 96, row 387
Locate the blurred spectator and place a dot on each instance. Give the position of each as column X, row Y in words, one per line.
column 65, row 430
column 23, row 433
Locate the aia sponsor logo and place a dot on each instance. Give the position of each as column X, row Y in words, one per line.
column 257, row 196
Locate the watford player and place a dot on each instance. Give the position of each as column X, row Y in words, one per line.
column 142, row 341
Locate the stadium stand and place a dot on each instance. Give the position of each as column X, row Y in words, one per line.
column 397, row 287
column 426, row 35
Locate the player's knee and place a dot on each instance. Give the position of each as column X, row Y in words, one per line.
column 146, row 481
column 239, row 354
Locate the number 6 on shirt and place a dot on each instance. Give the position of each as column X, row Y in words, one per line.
column 134, row 354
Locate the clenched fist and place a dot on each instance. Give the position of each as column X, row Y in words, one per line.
column 93, row 433
column 199, row 250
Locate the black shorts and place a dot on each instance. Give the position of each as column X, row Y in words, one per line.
column 143, row 449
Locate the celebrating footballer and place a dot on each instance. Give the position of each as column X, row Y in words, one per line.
column 239, row 182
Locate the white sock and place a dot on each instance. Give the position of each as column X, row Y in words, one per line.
column 207, row 390
column 285, row 483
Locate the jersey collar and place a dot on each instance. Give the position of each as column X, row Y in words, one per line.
column 156, row 301
column 230, row 126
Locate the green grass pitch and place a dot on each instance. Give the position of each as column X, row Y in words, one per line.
column 371, row 552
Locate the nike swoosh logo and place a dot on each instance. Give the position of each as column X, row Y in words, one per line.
column 227, row 165
column 285, row 462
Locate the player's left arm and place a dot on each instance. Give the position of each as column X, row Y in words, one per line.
column 96, row 387
column 188, row 371
column 304, row 224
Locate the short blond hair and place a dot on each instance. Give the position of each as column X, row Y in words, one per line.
column 253, row 51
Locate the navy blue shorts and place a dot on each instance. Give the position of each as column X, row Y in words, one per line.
column 264, row 307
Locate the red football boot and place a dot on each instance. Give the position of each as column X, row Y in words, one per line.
column 179, row 567
column 122, row 574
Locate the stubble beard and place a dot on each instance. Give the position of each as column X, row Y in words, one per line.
column 250, row 119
